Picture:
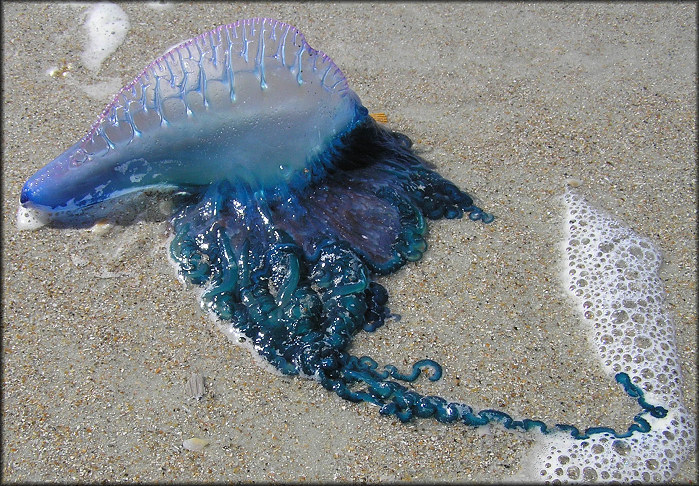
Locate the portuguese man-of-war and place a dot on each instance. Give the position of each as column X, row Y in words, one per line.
column 291, row 198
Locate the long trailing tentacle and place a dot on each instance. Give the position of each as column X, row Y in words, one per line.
column 300, row 305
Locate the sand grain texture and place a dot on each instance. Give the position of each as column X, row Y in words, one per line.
column 508, row 101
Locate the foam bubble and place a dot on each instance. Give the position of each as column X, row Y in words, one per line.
column 612, row 273
column 106, row 25
column 31, row 219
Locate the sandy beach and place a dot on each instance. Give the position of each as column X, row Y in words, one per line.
column 512, row 102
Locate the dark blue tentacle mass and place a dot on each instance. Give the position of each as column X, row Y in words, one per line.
column 291, row 270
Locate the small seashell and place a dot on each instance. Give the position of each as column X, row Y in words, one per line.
column 101, row 227
column 195, row 444
column 195, row 387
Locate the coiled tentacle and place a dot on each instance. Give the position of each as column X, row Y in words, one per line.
column 291, row 270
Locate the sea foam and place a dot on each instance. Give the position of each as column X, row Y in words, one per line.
column 612, row 274
column 106, row 26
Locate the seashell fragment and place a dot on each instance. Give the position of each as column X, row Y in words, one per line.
column 195, row 387
column 101, row 227
column 195, row 444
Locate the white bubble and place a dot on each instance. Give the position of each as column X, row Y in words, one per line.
column 31, row 219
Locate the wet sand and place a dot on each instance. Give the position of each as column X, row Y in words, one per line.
column 511, row 102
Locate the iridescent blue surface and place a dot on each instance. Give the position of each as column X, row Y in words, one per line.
column 294, row 199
